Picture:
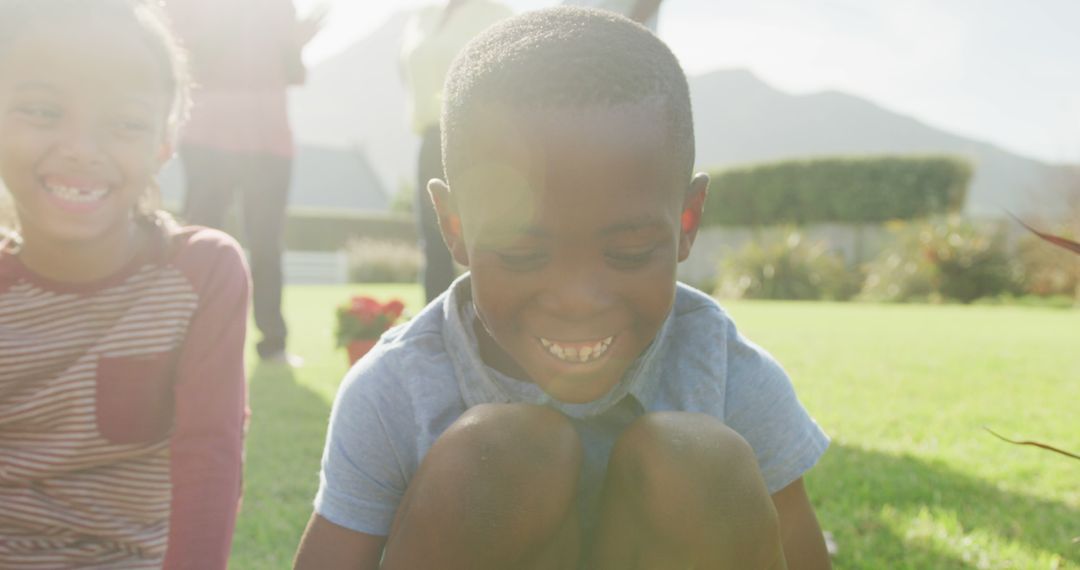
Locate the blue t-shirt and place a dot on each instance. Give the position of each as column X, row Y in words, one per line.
column 423, row 375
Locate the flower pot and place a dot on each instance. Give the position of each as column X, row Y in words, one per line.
column 359, row 348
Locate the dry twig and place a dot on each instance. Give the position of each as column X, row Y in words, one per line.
column 1033, row 443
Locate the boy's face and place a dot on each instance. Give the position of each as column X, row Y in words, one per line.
column 572, row 222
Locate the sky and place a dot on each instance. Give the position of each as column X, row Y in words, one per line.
column 1004, row 71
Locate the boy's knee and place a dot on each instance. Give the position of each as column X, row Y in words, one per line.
column 660, row 447
column 519, row 437
column 515, row 466
column 693, row 476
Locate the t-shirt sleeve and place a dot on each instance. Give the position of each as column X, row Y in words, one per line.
column 363, row 477
column 210, row 406
column 762, row 407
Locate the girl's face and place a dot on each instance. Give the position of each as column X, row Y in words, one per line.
column 83, row 114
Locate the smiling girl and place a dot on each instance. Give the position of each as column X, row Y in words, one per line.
column 122, row 396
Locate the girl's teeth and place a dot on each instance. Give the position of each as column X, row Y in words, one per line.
column 76, row 195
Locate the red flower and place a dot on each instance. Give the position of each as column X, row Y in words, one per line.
column 394, row 308
column 364, row 306
column 364, row 318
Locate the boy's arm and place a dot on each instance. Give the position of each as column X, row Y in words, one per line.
column 362, row 478
column 800, row 534
column 328, row 546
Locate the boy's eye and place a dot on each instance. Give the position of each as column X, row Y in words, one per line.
column 522, row 261
column 630, row 258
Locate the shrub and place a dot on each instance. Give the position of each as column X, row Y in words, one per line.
column 854, row 190
column 379, row 261
column 1036, row 301
column 897, row 277
column 1047, row 271
column 404, row 200
column 787, row 268
column 942, row 260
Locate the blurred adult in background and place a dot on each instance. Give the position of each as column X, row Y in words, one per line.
column 642, row 11
column 244, row 55
column 432, row 39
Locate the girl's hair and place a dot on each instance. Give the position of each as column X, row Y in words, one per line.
column 146, row 18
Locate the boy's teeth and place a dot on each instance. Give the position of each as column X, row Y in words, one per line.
column 586, row 353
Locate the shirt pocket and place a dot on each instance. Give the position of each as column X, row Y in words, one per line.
column 134, row 401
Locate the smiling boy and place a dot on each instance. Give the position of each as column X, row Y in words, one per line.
column 567, row 404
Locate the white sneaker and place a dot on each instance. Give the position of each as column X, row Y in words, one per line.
column 284, row 359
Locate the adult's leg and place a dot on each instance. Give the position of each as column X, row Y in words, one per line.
column 265, row 185
column 210, row 182
column 496, row 491
column 438, row 270
column 684, row 491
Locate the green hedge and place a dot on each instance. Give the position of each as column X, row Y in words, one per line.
column 325, row 229
column 318, row 230
column 853, row 190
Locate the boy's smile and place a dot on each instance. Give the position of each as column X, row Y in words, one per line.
column 570, row 225
column 582, row 352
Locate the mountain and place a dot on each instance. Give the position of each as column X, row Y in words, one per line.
column 356, row 99
column 740, row 119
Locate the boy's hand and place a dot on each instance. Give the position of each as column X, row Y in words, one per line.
column 327, row 546
column 800, row 534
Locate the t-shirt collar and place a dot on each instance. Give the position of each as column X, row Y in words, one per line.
column 480, row 384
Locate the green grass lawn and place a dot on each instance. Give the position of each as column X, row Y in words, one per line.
column 911, row 480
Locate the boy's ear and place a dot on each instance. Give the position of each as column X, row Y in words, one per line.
column 692, row 208
column 449, row 220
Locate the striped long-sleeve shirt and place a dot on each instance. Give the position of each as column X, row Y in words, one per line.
column 122, row 405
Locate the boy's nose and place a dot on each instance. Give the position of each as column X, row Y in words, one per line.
column 577, row 295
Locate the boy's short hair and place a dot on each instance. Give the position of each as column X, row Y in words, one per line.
column 559, row 57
